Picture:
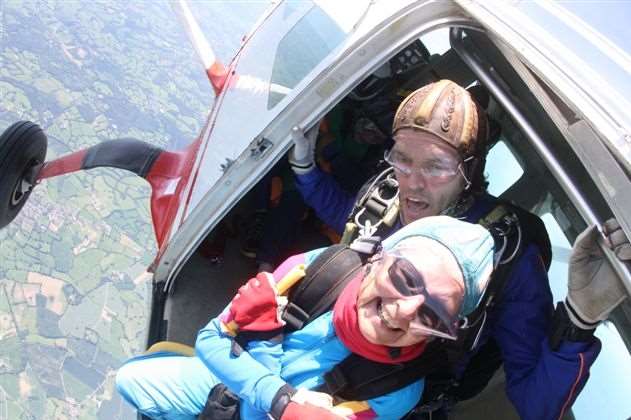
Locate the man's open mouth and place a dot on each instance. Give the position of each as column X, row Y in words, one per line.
column 416, row 205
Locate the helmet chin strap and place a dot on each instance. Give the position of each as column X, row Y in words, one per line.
column 470, row 163
column 464, row 201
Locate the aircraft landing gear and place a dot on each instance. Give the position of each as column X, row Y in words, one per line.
column 22, row 153
column 22, row 166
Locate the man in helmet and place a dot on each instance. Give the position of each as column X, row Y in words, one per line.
column 440, row 144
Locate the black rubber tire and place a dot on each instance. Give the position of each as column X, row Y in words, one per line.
column 22, row 146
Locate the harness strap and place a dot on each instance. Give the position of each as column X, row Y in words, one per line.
column 499, row 215
column 505, row 229
column 377, row 209
column 359, row 379
column 493, row 216
column 512, row 229
column 295, row 318
column 294, row 275
column 366, row 246
column 324, row 280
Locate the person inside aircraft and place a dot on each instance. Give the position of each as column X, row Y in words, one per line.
column 349, row 147
column 412, row 291
column 437, row 167
column 270, row 232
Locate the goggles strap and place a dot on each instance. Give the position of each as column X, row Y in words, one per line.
column 469, row 164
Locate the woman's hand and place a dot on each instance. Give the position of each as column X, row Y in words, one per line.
column 257, row 306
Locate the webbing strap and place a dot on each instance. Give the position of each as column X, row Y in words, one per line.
column 377, row 209
column 359, row 379
column 501, row 226
column 325, row 278
column 493, row 216
column 294, row 316
column 171, row 346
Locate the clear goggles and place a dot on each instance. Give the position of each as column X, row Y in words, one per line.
column 437, row 170
column 432, row 318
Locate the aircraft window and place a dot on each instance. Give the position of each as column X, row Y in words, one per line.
column 502, row 169
column 605, row 394
column 437, row 41
column 300, row 50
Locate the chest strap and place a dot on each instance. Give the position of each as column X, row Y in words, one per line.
column 358, row 379
column 324, row 280
column 377, row 209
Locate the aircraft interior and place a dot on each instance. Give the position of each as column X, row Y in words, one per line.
column 514, row 171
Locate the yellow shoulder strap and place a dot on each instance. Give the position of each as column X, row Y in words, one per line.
column 171, row 346
column 290, row 279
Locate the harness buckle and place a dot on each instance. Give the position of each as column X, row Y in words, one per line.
column 444, row 400
column 366, row 229
column 379, row 205
column 294, row 316
column 366, row 245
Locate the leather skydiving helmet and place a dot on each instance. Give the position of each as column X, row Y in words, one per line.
column 447, row 111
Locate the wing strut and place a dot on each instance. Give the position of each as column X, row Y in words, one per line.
column 215, row 70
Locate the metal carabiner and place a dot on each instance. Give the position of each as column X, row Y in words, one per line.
column 366, row 229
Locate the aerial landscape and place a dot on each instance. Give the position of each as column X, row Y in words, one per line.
column 74, row 294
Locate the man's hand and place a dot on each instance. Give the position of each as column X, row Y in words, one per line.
column 302, row 404
column 319, row 399
column 302, row 155
column 257, row 306
column 306, row 411
column 594, row 290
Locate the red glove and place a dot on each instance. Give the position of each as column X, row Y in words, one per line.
column 295, row 411
column 255, row 307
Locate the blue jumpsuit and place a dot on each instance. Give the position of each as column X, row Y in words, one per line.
column 541, row 383
column 168, row 386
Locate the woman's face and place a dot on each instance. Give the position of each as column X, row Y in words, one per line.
column 389, row 317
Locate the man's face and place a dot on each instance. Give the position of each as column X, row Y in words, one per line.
column 387, row 317
column 420, row 194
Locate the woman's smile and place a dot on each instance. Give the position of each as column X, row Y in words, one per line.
column 384, row 318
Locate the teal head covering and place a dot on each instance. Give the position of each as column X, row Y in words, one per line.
column 471, row 245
